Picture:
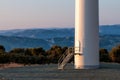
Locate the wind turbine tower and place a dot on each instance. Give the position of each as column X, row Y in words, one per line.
column 86, row 34
column 86, row 49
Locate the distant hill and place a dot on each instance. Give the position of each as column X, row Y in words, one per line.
column 53, row 33
column 27, row 38
column 39, row 33
column 109, row 41
column 18, row 42
column 11, row 42
column 109, row 30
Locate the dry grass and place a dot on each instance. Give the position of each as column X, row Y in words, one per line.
column 10, row 65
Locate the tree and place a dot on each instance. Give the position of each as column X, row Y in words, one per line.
column 4, row 58
column 38, row 51
column 2, row 49
column 28, row 52
column 115, row 54
column 104, row 55
column 18, row 51
column 54, row 54
column 64, row 49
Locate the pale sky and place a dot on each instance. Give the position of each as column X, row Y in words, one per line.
column 18, row 14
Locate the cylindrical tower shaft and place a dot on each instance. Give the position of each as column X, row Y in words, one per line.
column 86, row 34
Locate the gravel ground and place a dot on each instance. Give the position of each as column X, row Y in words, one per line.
column 107, row 71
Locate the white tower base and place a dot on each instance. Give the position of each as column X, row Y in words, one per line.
column 86, row 34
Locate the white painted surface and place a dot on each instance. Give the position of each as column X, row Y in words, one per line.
column 86, row 32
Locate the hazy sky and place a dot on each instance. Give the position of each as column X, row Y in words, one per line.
column 50, row 13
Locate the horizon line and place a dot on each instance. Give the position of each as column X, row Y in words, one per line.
column 54, row 27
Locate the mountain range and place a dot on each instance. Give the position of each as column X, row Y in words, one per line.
column 29, row 38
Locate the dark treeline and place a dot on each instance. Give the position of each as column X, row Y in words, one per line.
column 40, row 56
column 110, row 56
column 31, row 55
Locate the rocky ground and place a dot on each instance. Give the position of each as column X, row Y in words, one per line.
column 107, row 71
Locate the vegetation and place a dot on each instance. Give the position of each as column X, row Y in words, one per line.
column 31, row 55
column 2, row 49
column 40, row 56
column 111, row 56
column 104, row 55
column 115, row 54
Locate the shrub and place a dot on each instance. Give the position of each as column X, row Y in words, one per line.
column 115, row 54
column 104, row 55
column 2, row 49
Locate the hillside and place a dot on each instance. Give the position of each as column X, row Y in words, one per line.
column 109, row 30
column 26, row 38
column 39, row 33
column 53, row 33
column 11, row 42
column 109, row 41
column 19, row 42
